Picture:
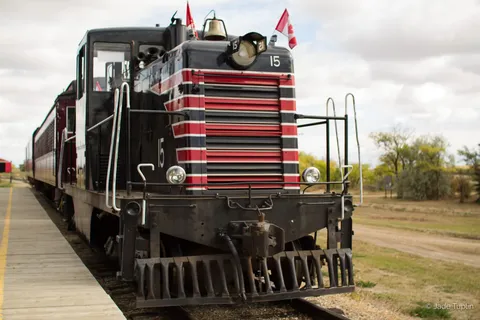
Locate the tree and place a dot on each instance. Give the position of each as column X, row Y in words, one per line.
column 425, row 174
column 395, row 146
column 472, row 159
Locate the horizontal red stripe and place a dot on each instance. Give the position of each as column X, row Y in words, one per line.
column 231, row 101
column 248, row 78
column 239, row 133
column 289, row 130
column 203, row 179
column 172, row 81
column 240, row 107
column 245, row 81
column 290, row 155
column 188, row 128
column 229, row 77
column 288, row 105
column 185, row 102
column 244, row 179
column 245, row 186
column 246, row 159
column 242, row 127
column 292, row 178
column 247, row 153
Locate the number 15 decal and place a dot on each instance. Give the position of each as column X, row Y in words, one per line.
column 275, row 61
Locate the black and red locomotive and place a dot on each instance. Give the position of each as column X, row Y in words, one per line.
column 183, row 165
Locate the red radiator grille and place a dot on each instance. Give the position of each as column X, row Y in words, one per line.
column 244, row 133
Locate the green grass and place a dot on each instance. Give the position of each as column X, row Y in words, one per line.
column 426, row 310
column 365, row 284
column 461, row 227
column 402, row 279
column 4, row 184
column 443, row 218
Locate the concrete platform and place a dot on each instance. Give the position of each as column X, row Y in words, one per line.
column 41, row 276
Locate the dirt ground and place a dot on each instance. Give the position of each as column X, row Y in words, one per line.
column 445, row 230
column 426, row 245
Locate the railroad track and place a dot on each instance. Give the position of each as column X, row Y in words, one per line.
column 123, row 294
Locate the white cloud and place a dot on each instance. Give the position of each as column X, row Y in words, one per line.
column 416, row 61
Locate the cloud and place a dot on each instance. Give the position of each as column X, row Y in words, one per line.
column 415, row 62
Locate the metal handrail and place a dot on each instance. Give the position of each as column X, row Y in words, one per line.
column 119, row 126
column 110, row 154
column 60, row 165
column 336, row 131
column 343, row 187
column 114, row 143
column 144, row 201
column 358, row 144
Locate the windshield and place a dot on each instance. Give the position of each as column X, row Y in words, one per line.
column 111, row 65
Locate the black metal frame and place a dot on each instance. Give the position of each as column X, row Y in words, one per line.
column 326, row 121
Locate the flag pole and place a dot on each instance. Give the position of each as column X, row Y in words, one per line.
column 273, row 38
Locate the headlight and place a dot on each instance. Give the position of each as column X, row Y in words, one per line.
column 245, row 55
column 311, row 175
column 176, row 175
column 244, row 50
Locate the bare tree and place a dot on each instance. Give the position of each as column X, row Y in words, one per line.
column 395, row 145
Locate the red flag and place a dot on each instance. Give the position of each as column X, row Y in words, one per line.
column 190, row 22
column 285, row 27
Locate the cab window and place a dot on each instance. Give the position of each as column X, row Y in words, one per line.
column 111, row 65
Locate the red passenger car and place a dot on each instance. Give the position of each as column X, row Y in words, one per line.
column 47, row 162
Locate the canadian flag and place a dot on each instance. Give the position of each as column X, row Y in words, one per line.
column 284, row 26
column 190, row 22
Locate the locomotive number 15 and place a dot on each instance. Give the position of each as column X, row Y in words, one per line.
column 275, row 61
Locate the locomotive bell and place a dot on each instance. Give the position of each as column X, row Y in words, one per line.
column 215, row 30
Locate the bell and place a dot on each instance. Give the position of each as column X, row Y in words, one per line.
column 215, row 31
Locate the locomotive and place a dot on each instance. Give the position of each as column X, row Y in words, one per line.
column 178, row 156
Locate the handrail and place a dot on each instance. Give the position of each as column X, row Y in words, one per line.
column 71, row 138
column 336, row 132
column 60, row 165
column 112, row 137
column 100, row 123
column 343, row 187
column 358, row 144
column 119, row 126
column 144, row 201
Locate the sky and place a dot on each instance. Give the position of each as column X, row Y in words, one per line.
column 414, row 63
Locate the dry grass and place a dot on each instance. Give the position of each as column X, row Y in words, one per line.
column 408, row 283
column 448, row 217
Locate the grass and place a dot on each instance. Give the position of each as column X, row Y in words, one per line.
column 426, row 310
column 4, row 183
column 412, row 284
column 365, row 284
column 446, row 217
column 403, row 279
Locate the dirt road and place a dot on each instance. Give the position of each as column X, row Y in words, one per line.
column 427, row 245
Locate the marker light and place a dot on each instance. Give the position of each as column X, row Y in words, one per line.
column 176, row 175
column 311, row 175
